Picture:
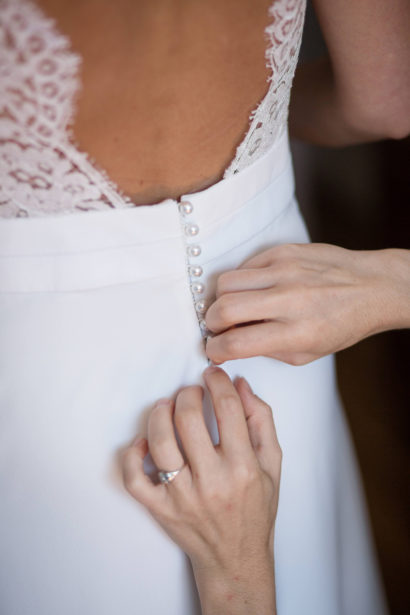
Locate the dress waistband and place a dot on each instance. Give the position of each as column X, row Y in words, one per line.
column 142, row 224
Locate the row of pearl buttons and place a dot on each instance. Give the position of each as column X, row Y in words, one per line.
column 195, row 271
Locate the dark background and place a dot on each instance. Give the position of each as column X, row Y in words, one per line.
column 358, row 197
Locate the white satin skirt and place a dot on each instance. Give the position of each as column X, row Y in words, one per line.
column 100, row 315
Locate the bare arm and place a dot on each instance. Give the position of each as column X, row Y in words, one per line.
column 361, row 92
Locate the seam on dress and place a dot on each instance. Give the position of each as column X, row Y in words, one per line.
column 94, row 251
column 291, row 202
column 86, row 290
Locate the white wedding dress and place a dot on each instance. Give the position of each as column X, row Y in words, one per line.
column 101, row 313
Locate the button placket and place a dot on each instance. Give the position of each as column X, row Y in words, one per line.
column 194, row 270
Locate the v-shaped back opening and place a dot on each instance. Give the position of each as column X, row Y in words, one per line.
column 267, row 120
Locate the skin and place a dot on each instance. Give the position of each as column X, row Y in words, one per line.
column 221, row 508
column 163, row 122
column 309, row 300
column 360, row 91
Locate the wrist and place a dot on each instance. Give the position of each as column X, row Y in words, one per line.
column 393, row 265
column 239, row 589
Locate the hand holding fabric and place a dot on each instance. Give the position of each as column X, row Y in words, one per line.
column 221, row 506
column 299, row 302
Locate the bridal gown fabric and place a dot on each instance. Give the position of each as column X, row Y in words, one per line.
column 101, row 313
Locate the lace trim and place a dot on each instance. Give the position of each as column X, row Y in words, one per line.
column 46, row 170
column 269, row 119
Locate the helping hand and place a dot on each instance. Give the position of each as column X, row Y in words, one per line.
column 299, row 302
column 221, row 507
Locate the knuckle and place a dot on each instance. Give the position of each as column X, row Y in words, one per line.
column 225, row 308
column 291, row 359
column 188, row 397
column 190, row 393
column 245, row 473
column 228, row 402
column 297, row 359
column 286, row 251
column 156, row 413
column 291, row 248
column 288, row 268
column 232, row 344
column 188, row 406
column 185, row 418
column 280, row 251
column 222, row 282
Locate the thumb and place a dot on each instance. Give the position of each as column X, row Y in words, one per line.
column 261, row 428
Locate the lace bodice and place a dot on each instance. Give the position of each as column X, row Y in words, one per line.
column 42, row 169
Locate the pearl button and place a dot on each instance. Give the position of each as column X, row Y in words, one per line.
column 191, row 229
column 194, row 250
column 200, row 306
column 196, row 270
column 197, row 288
column 185, row 207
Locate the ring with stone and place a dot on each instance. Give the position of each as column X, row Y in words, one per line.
column 167, row 476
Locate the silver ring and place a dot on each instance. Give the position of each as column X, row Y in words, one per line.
column 167, row 476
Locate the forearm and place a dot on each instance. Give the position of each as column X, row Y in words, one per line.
column 238, row 591
column 318, row 115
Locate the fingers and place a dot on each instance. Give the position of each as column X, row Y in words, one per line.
column 249, row 341
column 193, row 432
column 247, row 438
column 137, row 483
column 277, row 253
column 263, row 259
column 235, row 280
column 229, row 412
column 261, row 428
column 162, row 442
column 239, row 307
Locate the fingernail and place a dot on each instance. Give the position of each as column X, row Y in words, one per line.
column 211, row 369
column 247, row 385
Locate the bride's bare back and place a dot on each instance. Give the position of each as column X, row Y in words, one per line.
column 167, row 87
